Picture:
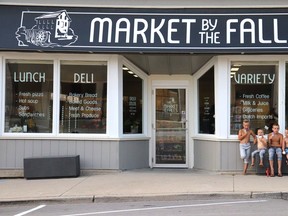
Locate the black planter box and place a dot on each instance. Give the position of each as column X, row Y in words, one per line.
column 52, row 167
column 261, row 170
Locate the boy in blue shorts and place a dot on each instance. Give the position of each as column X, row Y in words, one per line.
column 244, row 138
column 276, row 146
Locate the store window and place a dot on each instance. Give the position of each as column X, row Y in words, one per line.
column 254, row 95
column 132, row 102
column 28, row 96
column 206, row 102
column 83, row 97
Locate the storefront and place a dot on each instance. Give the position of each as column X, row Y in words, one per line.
column 129, row 88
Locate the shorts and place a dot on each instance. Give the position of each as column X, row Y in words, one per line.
column 274, row 150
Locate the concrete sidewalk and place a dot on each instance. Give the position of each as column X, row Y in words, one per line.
column 142, row 183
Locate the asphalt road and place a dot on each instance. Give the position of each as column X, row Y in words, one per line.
column 160, row 207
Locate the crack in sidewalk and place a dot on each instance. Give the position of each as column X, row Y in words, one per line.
column 75, row 185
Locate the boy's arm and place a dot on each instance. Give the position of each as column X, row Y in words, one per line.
column 266, row 142
column 242, row 135
column 269, row 138
column 255, row 141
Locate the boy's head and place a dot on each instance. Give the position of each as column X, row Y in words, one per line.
column 246, row 124
column 260, row 132
column 275, row 128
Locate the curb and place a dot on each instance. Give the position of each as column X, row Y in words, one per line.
column 272, row 195
column 107, row 199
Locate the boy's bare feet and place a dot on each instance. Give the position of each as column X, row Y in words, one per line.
column 245, row 168
column 279, row 173
column 272, row 173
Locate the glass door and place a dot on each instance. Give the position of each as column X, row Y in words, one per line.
column 170, row 127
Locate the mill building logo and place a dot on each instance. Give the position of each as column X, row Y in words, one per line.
column 51, row 29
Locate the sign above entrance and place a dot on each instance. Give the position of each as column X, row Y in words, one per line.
column 144, row 30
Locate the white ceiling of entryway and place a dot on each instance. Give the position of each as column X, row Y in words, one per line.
column 168, row 63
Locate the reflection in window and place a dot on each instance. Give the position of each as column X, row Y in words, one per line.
column 254, row 96
column 83, row 97
column 132, row 102
column 28, row 99
column 206, row 103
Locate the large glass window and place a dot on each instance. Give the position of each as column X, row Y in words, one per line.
column 132, row 102
column 83, row 97
column 206, row 102
column 29, row 96
column 254, row 95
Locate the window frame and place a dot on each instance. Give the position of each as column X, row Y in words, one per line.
column 222, row 65
column 196, row 116
column 253, row 63
column 112, row 62
column 198, row 100
column 141, row 74
column 28, row 61
column 83, row 63
column 278, row 60
column 128, row 117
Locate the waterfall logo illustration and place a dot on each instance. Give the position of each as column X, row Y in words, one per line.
column 51, row 29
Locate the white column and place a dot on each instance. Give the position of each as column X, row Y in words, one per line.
column 281, row 96
column 222, row 98
column 56, row 102
column 114, row 97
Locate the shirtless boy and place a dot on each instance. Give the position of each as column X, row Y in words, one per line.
column 244, row 138
column 276, row 145
column 261, row 147
column 285, row 145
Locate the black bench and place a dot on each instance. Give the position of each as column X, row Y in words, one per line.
column 261, row 170
column 52, row 167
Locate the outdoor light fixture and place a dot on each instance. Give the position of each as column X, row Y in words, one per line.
column 125, row 68
column 235, row 69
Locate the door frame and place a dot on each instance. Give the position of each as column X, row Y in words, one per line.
column 184, row 83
